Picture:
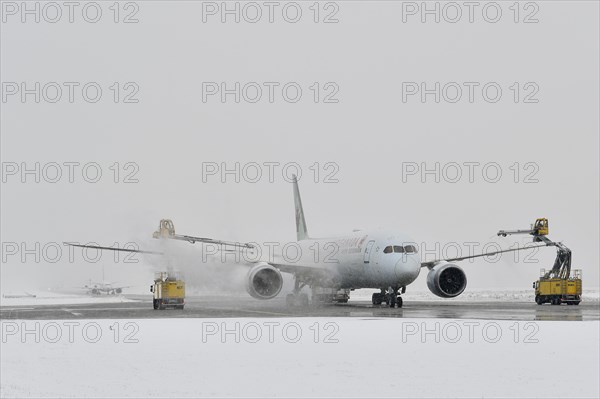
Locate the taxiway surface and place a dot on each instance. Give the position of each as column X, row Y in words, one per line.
column 219, row 307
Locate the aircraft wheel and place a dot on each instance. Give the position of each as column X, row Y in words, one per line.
column 376, row 299
column 399, row 301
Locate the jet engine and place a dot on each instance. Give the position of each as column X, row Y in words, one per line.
column 264, row 281
column 446, row 280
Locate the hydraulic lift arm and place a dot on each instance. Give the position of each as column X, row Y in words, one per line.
column 539, row 230
column 166, row 229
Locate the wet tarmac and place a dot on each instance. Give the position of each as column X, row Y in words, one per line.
column 228, row 307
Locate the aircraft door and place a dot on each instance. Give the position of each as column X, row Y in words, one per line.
column 368, row 249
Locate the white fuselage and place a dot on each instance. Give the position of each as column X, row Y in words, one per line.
column 361, row 259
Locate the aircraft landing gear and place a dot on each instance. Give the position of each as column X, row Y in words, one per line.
column 296, row 298
column 393, row 297
column 393, row 300
column 377, row 298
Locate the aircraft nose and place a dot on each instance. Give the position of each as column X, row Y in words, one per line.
column 407, row 269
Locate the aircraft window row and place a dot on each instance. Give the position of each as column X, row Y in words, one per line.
column 409, row 249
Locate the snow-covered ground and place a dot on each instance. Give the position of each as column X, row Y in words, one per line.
column 54, row 298
column 307, row 357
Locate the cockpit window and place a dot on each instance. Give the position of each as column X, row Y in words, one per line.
column 410, row 249
column 399, row 249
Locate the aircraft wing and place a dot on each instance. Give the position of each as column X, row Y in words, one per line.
column 432, row 263
column 113, row 248
column 306, row 270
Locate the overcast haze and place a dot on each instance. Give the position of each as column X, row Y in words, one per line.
column 369, row 133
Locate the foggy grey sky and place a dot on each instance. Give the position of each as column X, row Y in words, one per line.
column 369, row 133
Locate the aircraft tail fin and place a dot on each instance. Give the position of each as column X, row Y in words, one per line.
column 301, row 230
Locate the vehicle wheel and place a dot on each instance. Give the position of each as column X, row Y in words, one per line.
column 393, row 301
column 154, row 304
column 576, row 302
column 159, row 304
column 399, row 301
column 539, row 300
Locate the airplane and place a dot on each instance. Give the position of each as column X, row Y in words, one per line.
column 388, row 261
column 99, row 288
column 104, row 287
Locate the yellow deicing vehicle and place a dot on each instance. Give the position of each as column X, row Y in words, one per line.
column 168, row 290
column 557, row 285
column 557, row 290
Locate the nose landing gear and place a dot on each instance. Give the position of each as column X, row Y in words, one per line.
column 391, row 297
